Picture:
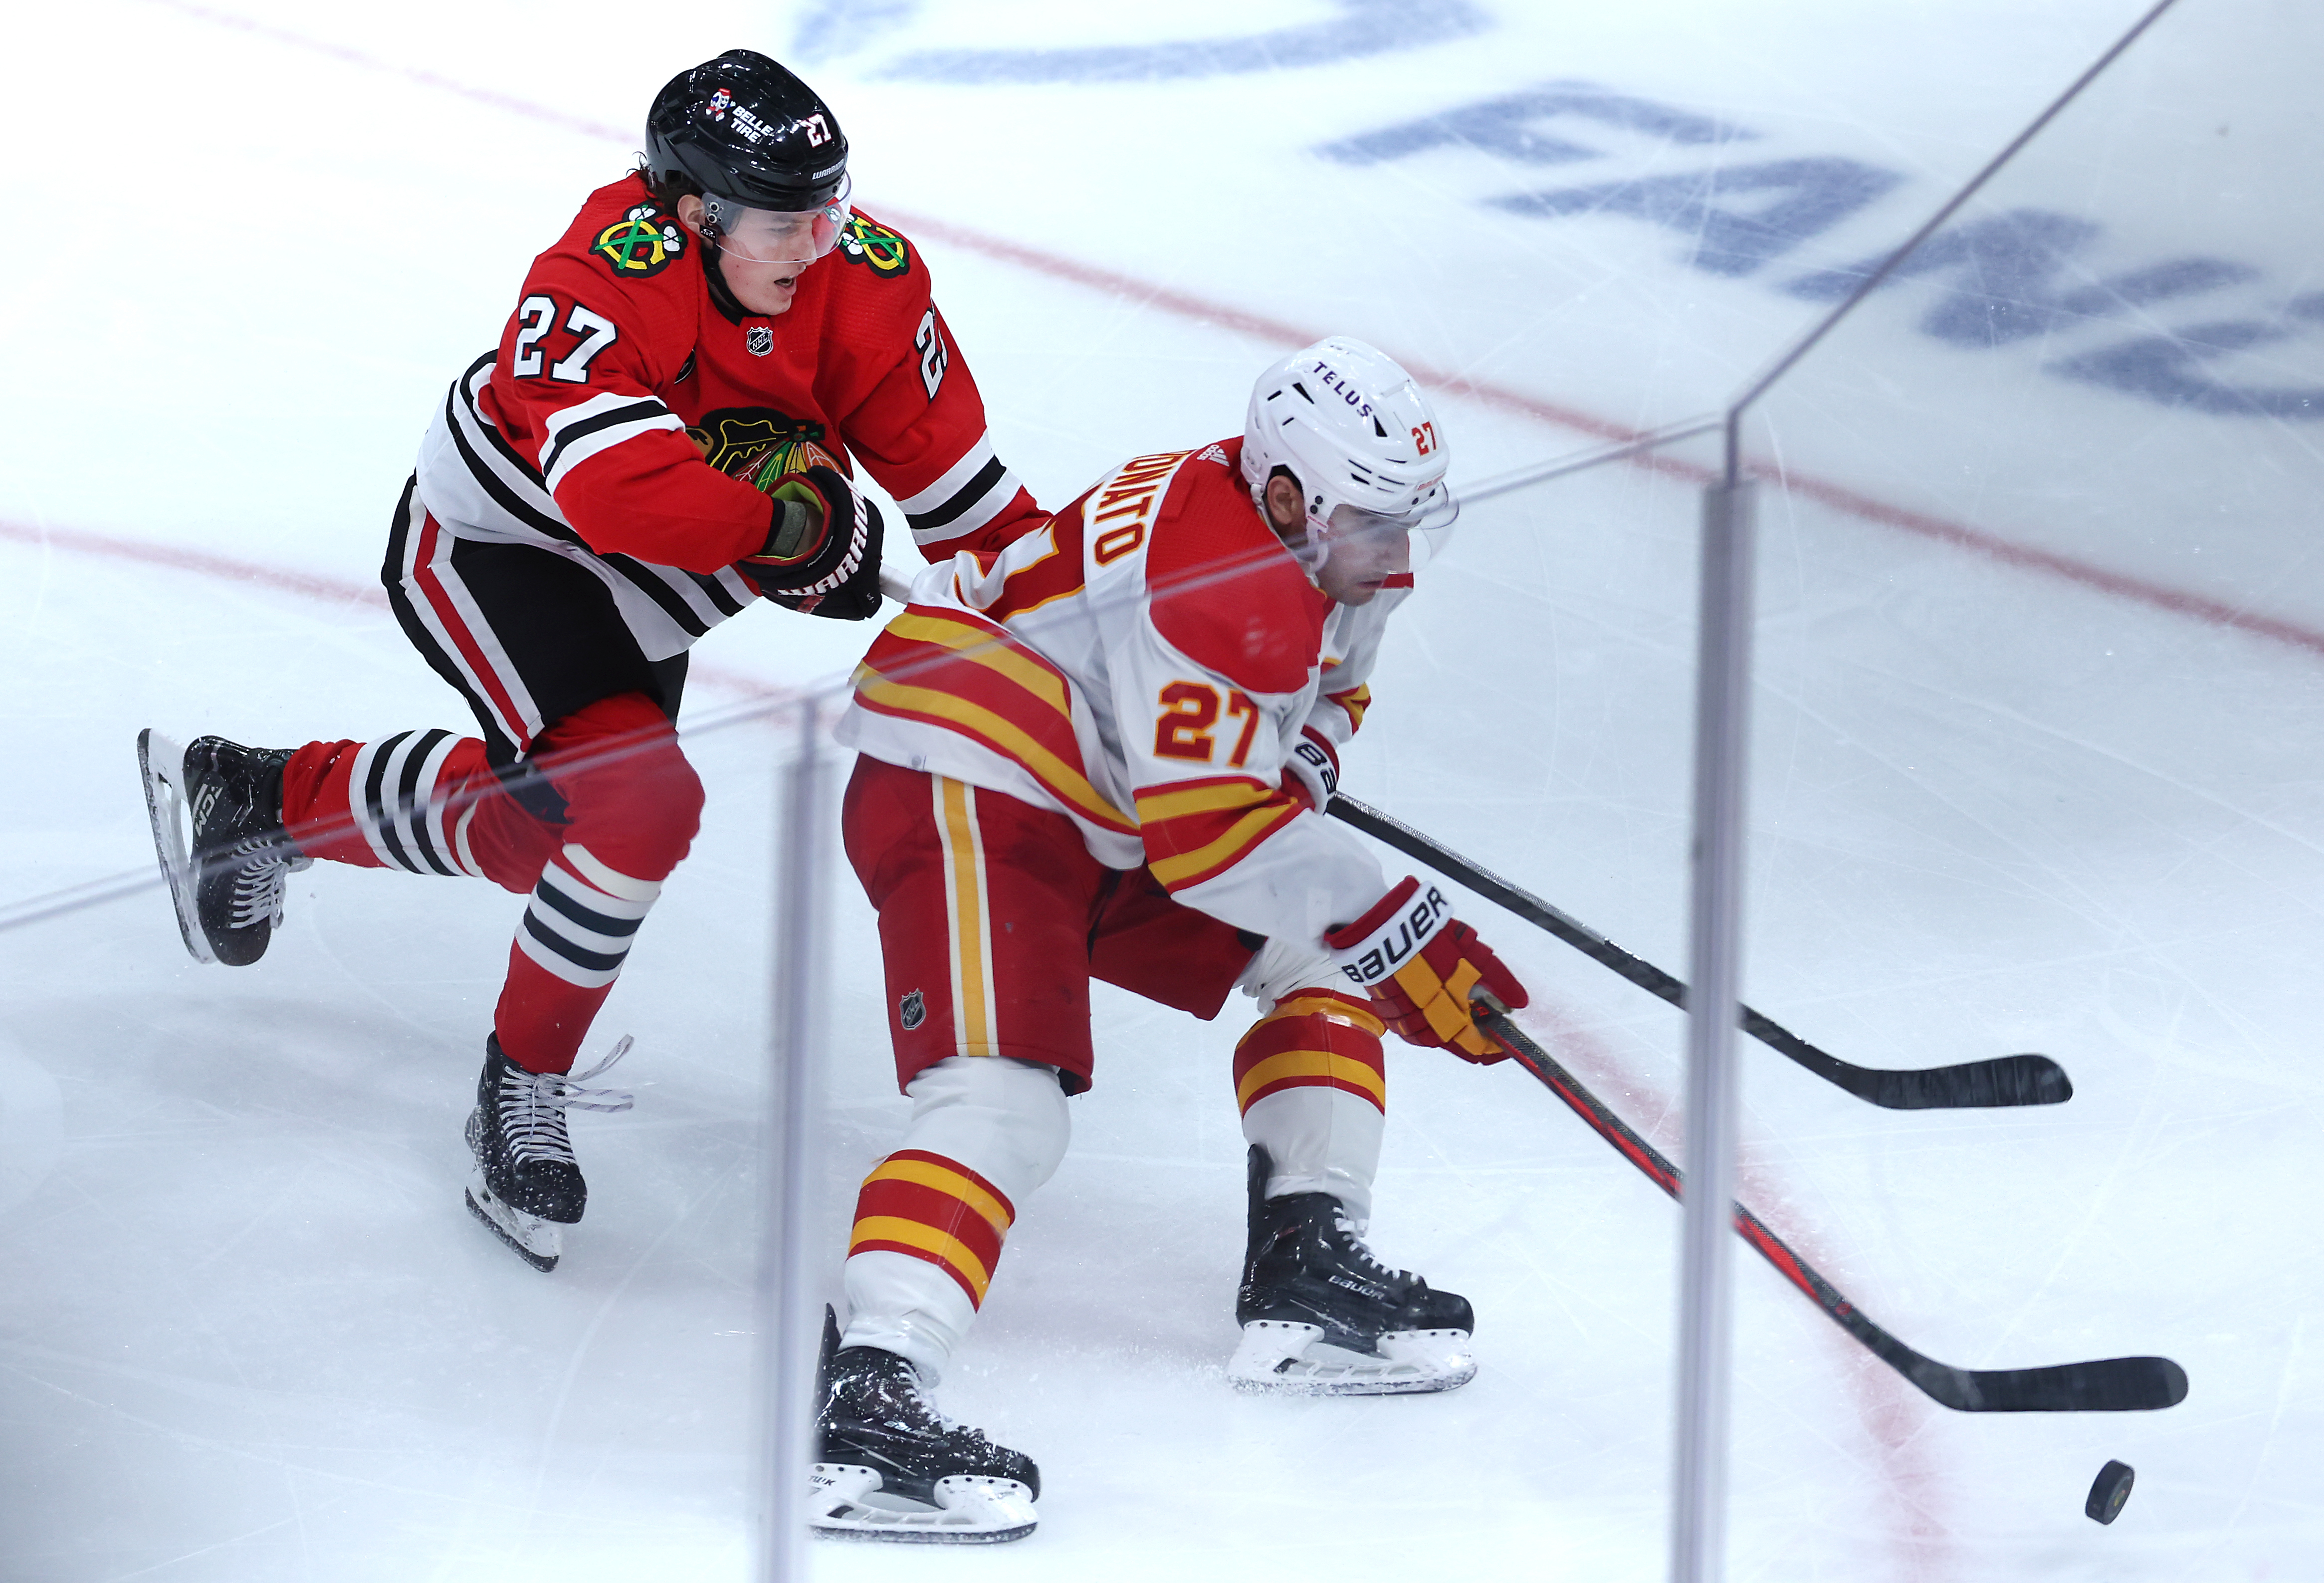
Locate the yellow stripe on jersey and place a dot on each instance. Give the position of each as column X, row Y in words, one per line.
column 1245, row 832
column 989, row 649
column 1011, row 739
column 1217, row 797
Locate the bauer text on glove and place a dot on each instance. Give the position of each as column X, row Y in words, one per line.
column 1420, row 966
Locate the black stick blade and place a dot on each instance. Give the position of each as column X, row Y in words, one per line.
column 2109, row 1384
column 1976, row 1085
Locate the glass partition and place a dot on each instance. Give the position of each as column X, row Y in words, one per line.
column 2031, row 718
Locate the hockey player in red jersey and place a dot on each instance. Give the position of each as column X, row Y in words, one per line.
column 663, row 436
column 1099, row 751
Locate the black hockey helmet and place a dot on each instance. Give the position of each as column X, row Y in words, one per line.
column 743, row 128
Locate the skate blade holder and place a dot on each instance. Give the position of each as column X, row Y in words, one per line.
column 1286, row 1357
column 538, row 1242
column 162, row 760
column 971, row 1509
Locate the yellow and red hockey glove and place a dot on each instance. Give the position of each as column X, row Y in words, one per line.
column 1420, row 965
column 822, row 553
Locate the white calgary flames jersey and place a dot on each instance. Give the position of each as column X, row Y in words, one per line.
column 1148, row 663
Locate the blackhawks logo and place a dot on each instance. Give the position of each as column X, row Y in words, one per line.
column 870, row 242
column 759, row 443
column 642, row 243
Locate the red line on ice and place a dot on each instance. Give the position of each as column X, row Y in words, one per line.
column 1890, row 1409
column 331, row 590
column 225, row 568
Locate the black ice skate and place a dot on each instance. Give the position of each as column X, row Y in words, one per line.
column 527, row 1182
column 1321, row 1316
column 889, row 1467
column 217, row 809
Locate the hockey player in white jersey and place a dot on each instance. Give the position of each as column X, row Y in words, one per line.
column 1100, row 751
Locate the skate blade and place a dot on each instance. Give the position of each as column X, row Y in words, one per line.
column 534, row 1240
column 1282, row 1357
column 970, row 1509
column 161, row 762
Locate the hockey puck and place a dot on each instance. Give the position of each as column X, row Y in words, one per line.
column 2108, row 1494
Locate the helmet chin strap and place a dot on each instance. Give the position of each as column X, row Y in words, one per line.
column 713, row 273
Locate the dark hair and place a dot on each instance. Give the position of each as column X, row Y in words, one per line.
column 667, row 190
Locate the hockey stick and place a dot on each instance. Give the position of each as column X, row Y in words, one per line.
column 2005, row 1079
column 2111, row 1384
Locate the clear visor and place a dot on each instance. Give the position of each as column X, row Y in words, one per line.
column 775, row 235
column 1392, row 544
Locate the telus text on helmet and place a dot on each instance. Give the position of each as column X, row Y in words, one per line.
column 1332, row 381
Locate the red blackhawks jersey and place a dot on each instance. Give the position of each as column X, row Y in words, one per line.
column 1148, row 663
column 599, row 427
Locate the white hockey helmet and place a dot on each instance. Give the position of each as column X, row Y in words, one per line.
column 1358, row 435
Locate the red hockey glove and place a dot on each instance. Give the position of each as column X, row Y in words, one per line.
column 822, row 553
column 1420, row 965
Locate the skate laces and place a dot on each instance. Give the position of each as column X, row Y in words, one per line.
column 532, row 1107
column 1357, row 1245
column 901, row 1395
column 265, row 864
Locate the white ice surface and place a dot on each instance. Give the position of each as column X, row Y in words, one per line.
column 247, row 1330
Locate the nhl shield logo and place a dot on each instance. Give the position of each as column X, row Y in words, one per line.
column 759, row 339
column 911, row 1011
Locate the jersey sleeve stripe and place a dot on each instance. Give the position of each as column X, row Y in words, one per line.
column 724, row 588
column 1180, row 800
column 507, row 484
column 516, row 506
column 1177, row 866
column 982, row 682
column 979, row 485
column 1354, row 701
column 986, row 648
column 978, row 460
column 960, row 501
column 598, row 424
column 1003, row 735
column 680, row 596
